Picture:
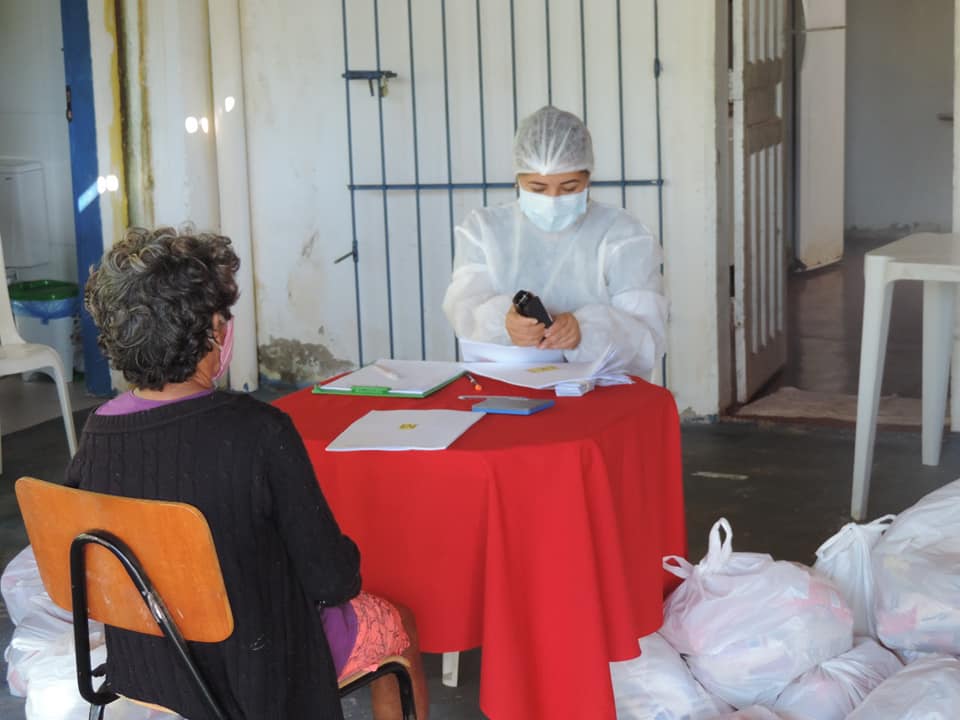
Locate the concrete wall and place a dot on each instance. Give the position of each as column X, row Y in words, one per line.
column 32, row 116
column 296, row 130
column 298, row 166
column 899, row 76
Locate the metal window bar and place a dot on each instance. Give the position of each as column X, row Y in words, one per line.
column 484, row 185
column 546, row 19
column 383, row 177
column 354, row 252
column 416, row 177
column 446, row 114
column 657, row 69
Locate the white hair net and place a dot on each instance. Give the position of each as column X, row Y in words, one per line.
column 551, row 142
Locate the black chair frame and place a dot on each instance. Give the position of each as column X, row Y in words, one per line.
column 404, row 685
column 99, row 699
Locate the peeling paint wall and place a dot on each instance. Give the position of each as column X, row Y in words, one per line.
column 300, row 219
column 293, row 58
column 107, row 106
column 296, row 126
column 135, row 106
column 177, row 172
column 292, row 362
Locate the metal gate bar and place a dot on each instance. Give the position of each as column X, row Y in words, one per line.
column 416, row 177
column 483, row 124
column 583, row 62
column 656, row 88
column 623, row 151
column 446, row 110
column 383, row 178
column 484, row 185
column 353, row 197
column 546, row 14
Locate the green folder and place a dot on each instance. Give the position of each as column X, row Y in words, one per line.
column 412, row 379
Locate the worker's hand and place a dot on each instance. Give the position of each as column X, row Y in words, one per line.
column 524, row 331
column 564, row 334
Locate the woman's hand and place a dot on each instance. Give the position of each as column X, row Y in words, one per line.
column 564, row 334
column 524, row 331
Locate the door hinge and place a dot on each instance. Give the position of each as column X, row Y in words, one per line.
column 69, row 112
column 733, row 277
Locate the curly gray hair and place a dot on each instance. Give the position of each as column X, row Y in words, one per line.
column 154, row 297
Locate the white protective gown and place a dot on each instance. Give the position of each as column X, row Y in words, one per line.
column 605, row 269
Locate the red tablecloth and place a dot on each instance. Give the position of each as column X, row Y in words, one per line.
column 539, row 538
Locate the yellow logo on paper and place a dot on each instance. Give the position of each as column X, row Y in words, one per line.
column 542, row 369
column 408, row 426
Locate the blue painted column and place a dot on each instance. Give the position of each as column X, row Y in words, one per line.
column 84, row 171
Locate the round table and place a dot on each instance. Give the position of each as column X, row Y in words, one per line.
column 539, row 537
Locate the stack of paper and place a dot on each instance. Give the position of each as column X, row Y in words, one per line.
column 473, row 351
column 574, row 388
column 405, row 430
column 540, row 376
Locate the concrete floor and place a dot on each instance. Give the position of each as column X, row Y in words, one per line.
column 824, row 324
column 784, row 489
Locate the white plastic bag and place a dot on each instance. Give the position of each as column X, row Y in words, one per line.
column 23, row 591
column 659, row 685
column 928, row 689
column 834, row 688
column 915, row 567
column 747, row 625
column 37, row 638
column 41, row 663
column 52, row 685
column 845, row 559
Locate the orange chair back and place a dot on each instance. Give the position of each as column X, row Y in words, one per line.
column 171, row 541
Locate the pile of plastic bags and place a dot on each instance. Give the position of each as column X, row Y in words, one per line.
column 40, row 658
column 870, row 632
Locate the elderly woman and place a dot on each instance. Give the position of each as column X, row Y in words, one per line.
column 162, row 304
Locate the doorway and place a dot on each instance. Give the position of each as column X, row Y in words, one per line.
column 898, row 180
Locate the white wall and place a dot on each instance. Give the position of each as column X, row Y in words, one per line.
column 299, row 167
column 293, row 57
column 694, row 95
column 32, row 116
column 899, row 76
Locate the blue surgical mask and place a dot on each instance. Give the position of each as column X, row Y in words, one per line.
column 553, row 214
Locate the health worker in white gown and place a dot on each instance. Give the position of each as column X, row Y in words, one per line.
column 594, row 266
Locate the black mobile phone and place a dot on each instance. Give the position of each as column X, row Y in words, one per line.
column 529, row 305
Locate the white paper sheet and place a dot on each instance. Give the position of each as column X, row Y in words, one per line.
column 405, row 430
column 403, row 377
column 472, row 351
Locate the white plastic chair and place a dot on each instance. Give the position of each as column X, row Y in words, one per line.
column 935, row 260
column 19, row 356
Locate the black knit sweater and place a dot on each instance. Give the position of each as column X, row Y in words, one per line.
column 242, row 463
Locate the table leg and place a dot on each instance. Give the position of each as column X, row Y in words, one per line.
column 450, row 675
column 876, row 324
column 938, row 314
